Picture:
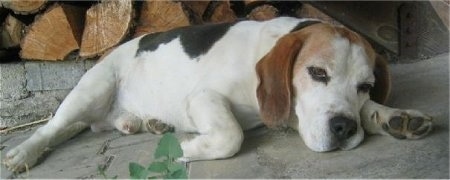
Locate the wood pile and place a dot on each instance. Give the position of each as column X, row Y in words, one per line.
column 59, row 30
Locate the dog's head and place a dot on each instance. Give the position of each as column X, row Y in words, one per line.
column 317, row 79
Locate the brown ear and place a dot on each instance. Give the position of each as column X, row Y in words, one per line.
column 274, row 70
column 380, row 91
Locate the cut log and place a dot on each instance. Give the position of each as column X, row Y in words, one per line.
column 107, row 24
column 263, row 12
column 11, row 32
column 196, row 9
column 54, row 34
column 24, row 6
column 158, row 16
column 248, row 3
column 220, row 11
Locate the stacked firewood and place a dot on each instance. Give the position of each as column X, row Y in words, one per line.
column 50, row 30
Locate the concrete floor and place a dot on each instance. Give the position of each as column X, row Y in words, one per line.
column 280, row 154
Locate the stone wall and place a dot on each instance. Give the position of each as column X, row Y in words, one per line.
column 32, row 90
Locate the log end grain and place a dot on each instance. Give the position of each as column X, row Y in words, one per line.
column 158, row 16
column 24, row 6
column 107, row 24
column 263, row 12
column 50, row 37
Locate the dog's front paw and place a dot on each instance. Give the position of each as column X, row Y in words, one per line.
column 408, row 124
column 19, row 159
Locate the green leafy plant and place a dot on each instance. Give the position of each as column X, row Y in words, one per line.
column 165, row 165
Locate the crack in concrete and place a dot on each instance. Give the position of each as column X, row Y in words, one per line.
column 106, row 163
column 104, row 147
column 106, row 144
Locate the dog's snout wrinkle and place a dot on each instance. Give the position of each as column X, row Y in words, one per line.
column 342, row 127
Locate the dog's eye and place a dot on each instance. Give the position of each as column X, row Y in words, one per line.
column 364, row 88
column 318, row 74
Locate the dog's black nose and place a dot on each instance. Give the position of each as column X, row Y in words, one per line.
column 342, row 127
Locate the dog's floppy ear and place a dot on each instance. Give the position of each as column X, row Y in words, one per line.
column 274, row 70
column 380, row 91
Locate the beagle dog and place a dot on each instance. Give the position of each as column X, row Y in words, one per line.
column 219, row 80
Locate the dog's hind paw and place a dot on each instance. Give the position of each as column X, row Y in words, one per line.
column 155, row 126
column 408, row 124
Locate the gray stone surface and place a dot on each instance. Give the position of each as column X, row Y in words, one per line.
column 280, row 154
column 53, row 75
column 31, row 90
column 35, row 107
column 12, row 82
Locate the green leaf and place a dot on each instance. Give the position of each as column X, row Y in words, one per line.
column 176, row 171
column 137, row 171
column 180, row 174
column 175, row 167
column 168, row 147
column 157, row 167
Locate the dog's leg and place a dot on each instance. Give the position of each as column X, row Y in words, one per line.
column 401, row 124
column 220, row 135
column 88, row 101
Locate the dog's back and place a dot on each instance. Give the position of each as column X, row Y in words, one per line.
column 156, row 72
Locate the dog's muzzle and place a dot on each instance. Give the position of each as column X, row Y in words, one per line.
column 342, row 128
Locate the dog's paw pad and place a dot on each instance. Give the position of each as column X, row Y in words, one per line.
column 408, row 124
column 158, row 127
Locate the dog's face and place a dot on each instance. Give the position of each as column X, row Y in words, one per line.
column 326, row 77
column 330, row 87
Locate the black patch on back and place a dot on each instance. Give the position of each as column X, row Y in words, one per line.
column 304, row 24
column 199, row 39
column 196, row 40
column 150, row 42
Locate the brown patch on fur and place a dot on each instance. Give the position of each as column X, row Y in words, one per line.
column 275, row 74
column 381, row 90
column 275, row 71
column 316, row 44
column 354, row 38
